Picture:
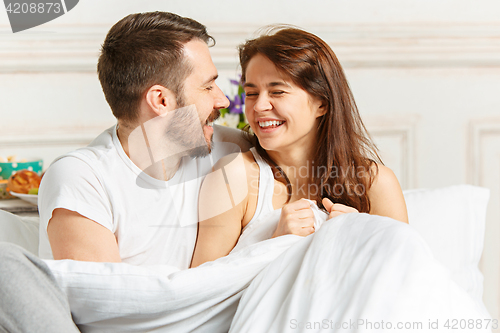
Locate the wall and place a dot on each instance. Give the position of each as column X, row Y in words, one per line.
column 425, row 75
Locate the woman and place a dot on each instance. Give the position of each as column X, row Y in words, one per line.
column 310, row 143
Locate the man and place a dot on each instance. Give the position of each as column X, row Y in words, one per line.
column 131, row 195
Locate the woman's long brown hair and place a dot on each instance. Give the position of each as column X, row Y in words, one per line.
column 344, row 159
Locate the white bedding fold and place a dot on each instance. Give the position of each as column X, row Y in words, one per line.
column 118, row 297
column 356, row 267
column 359, row 273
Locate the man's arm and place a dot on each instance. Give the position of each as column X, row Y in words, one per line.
column 73, row 236
column 75, row 216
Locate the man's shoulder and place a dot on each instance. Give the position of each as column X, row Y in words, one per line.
column 83, row 163
column 101, row 145
column 232, row 135
column 103, row 140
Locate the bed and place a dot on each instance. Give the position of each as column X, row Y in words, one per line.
column 450, row 221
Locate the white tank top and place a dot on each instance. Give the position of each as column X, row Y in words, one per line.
column 266, row 218
column 266, row 190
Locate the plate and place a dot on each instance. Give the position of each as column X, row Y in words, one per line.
column 31, row 198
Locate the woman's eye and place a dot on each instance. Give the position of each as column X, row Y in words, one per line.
column 278, row 92
column 250, row 94
column 210, row 88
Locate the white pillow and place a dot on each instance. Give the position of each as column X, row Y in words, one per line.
column 22, row 231
column 452, row 221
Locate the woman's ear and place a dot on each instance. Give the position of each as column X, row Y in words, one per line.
column 321, row 108
column 160, row 99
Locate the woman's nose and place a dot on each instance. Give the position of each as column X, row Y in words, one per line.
column 262, row 104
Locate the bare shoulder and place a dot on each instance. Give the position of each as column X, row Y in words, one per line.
column 385, row 194
column 229, row 187
column 384, row 178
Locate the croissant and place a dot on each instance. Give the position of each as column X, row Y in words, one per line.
column 23, row 181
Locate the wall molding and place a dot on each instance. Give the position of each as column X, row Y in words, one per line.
column 76, row 48
column 484, row 170
column 60, row 136
column 396, row 135
column 402, row 136
column 68, row 140
column 478, row 131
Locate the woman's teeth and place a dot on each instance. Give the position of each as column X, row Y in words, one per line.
column 265, row 124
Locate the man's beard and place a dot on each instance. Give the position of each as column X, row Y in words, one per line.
column 186, row 130
column 166, row 139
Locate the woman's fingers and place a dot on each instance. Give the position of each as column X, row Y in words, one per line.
column 339, row 209
column 306, row 231
column 343, row 208
column 328, row 204
column 335, row 213
column 296, row 218
column 301, row 220
column 299, row 204
column 305, row 213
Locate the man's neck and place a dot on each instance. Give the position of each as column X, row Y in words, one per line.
column 140, row 149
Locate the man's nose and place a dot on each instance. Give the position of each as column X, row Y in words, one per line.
column 221, row 100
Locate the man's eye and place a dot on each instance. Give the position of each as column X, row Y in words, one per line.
column 251, row 94
column 278, row 92
column 210, row 88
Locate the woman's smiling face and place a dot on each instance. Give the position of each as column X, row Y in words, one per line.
column 280, row 113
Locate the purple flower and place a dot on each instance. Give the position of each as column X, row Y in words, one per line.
column 236, row 105
column 236, row 82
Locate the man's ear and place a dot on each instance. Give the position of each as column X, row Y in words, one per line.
column 160, row 99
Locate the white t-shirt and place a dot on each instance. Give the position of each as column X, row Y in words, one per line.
column 155, row 222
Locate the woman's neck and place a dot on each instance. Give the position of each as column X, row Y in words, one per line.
column 298, row 166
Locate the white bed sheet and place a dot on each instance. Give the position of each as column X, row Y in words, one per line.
column 359, row 273
column 357, row 266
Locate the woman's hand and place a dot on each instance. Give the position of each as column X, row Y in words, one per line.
column 337, row 209
column 297, row 218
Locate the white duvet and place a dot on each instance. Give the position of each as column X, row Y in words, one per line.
column 358, row 273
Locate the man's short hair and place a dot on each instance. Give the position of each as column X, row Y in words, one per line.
column 142, row 50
